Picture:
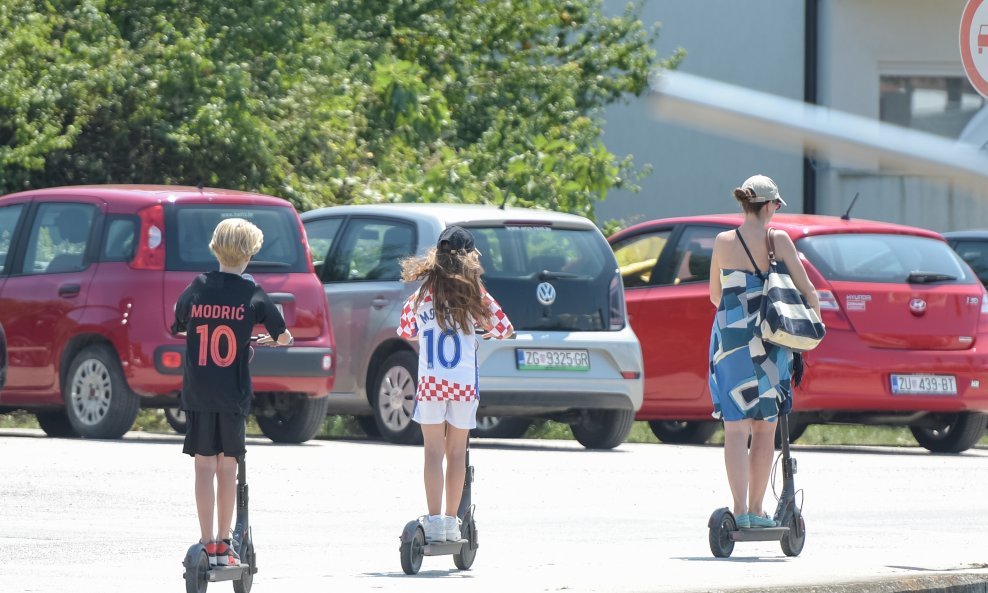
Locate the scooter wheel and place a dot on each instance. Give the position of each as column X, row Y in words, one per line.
column 195, row 575
column 247, row 557
column 792, row 542
column 721, row 525
column 468, row 552
column 411, row 553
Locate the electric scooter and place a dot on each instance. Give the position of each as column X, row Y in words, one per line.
column 791, row 532
column 413, row 546
column 198, row 572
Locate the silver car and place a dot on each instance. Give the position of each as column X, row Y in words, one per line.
column 574, row 359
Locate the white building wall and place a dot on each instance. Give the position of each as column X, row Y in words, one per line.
column 860, row 41
column 759, row 44
column 755, row 43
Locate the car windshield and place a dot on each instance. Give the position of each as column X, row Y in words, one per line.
column 190, row 227
column 885, row 258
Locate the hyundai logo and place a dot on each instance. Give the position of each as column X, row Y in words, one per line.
column 546, row 293
column 917, row 306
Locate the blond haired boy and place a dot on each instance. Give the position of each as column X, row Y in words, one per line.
column 217, row 313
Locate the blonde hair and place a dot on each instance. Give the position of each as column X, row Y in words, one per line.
column 235, row 241
column 454, row 281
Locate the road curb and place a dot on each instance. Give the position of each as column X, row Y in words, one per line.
column 954, row 582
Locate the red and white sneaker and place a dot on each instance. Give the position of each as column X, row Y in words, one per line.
column 226, row 555
column 211, row 551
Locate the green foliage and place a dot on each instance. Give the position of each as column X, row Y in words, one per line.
column 322, row 101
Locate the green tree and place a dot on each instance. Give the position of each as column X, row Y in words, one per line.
column 322, row 101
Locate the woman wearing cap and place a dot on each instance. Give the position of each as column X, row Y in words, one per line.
column 749, row 378
column 446, row 398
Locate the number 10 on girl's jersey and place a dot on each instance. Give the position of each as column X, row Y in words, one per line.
column 438, row 349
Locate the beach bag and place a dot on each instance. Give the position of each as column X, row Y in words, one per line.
column 784, row 318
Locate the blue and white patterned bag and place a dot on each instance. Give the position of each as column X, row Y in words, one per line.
column 785, row 319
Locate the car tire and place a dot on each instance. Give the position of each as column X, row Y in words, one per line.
column 296, row 421
column 679, row 432
column 177, row 419
column 368, row 424
column 98, row 402
column 56, row 424
column 796, row 430
column 393, row 398
column 500, row 427
column 603, row 429
column 956, row 433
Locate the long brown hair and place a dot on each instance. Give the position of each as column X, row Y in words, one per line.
column 454, row 281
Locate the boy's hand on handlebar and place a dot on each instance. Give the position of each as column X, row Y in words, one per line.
column 267, row 340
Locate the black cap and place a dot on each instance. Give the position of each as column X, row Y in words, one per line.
column 454, row 238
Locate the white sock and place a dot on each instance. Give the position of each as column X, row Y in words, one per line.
column 435, row 517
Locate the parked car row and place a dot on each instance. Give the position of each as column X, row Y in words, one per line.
column 89, row 277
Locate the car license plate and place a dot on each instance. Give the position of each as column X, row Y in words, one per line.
column 531, row 359
column 924, row 384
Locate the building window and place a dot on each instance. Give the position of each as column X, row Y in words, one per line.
column 940, row 105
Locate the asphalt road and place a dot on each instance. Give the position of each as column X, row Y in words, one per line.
column 117, row 516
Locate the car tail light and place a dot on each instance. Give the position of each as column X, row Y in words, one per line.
column 630, row 374
column 618, row 313
column 830, row 310
column 171, row 360
column 327, row 362
column 151, row 239
column 305, row 245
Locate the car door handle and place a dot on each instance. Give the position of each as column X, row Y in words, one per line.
column 379, row 302
column 69, row 290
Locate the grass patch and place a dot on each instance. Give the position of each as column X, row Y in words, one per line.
column 346, row 427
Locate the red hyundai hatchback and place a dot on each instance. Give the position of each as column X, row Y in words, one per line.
column 89, row 277
column 907, row 327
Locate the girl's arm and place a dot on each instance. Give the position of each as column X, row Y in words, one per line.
column 408, row 327
column 497, row 325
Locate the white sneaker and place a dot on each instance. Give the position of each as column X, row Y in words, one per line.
column 452, row 528
column 435, row 529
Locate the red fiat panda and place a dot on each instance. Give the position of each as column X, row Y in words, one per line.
column 89, row 277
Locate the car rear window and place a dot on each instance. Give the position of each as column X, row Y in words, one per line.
column 190, row 228
column 884, row 258
column 975, row 253
column 523, row 250
column 577, row 264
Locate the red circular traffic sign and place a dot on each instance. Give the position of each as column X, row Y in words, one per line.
column 974, row 44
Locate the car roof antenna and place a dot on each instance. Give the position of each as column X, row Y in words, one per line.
column 847, row 215
column 504, row 201
column 199, row 186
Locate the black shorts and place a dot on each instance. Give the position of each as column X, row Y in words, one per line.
column 212, row 433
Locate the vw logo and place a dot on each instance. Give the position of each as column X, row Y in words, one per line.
column 546, row 293
column 917, row 306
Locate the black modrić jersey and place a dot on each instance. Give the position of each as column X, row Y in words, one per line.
column 218, row 311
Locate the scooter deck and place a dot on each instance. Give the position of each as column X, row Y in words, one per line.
column 227, row 573
column 441, row 549
column 759, row 534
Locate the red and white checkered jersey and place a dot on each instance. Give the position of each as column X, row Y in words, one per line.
column 447, row 359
